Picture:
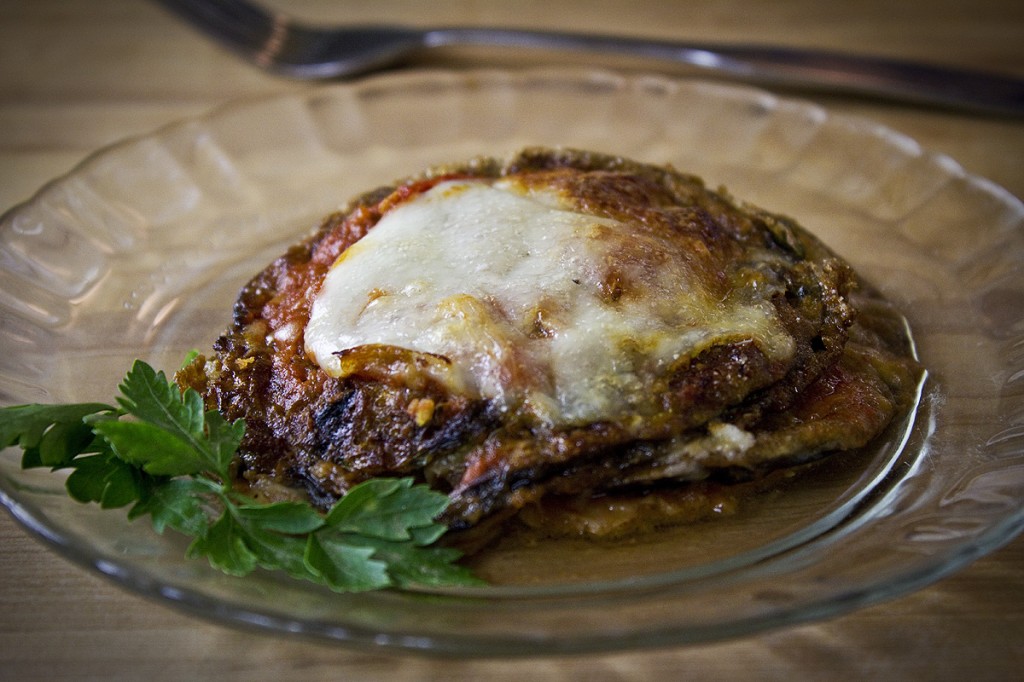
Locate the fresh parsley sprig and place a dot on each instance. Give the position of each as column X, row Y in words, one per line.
column 159, row 451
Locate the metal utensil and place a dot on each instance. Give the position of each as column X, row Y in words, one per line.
column 279, row 44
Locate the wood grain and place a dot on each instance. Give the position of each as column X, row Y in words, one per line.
column 75, row 76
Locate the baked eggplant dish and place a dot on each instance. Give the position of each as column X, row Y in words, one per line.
column 558, row 324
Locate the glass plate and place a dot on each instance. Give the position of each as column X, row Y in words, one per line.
column 139, row 252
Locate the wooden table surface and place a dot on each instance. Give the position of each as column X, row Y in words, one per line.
column 78, row 74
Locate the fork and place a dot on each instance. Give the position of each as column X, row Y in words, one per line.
column 279, row 44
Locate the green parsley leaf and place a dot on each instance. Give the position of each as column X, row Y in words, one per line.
column 387, row 508
column 282, row 517
column 224, row 547
column 105, row 479
column 164, row 453
column 49, row 435
column 410, row 564
column 345, row 566
column 148, row 395
column 176, row 503
column 153, row 449
column 276, row 551
column 222, row 440
column 200, row 440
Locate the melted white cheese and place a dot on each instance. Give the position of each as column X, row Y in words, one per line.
column 505, row 281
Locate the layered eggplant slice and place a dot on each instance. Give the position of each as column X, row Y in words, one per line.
column 556, row 323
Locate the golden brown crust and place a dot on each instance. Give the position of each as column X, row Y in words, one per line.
column 389, row 415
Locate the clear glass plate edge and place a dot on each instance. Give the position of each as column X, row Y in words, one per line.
column 998, row 535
